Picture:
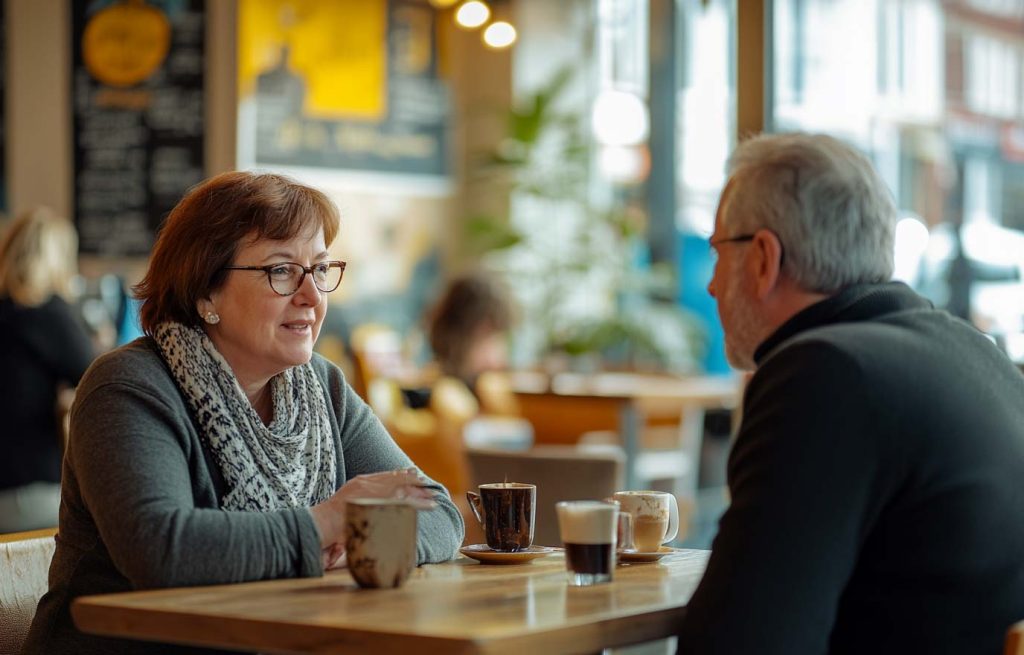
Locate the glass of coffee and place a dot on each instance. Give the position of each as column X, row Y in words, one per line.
column 506, row 510
column 655, row 517
column 588, row 529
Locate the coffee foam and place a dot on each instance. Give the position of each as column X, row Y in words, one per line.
column 652, row 504
column 587, row 522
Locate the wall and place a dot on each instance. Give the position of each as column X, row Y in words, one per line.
column 39, row 140
column 38, row 110
column 38, row 95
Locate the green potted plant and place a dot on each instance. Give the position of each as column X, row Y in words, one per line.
column 575, row 257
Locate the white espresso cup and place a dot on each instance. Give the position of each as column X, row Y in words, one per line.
column 655, row 517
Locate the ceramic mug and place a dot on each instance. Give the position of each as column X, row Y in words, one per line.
column 506, row 510
column 655, row 517
column 380, row 541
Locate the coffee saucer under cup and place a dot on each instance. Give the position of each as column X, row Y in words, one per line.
column 483, row 554
column 629, row 556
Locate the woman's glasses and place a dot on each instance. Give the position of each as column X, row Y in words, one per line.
column 285, row 278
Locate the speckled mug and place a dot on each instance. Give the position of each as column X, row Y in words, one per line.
column 380, row 540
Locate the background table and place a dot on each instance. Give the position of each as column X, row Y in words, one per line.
column 458, row 607
column 564, row 406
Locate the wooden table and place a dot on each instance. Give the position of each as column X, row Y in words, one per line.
column 564, row 406
column 459, row 607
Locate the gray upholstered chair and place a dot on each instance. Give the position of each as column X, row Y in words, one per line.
column 560, row 473
column 24, row 569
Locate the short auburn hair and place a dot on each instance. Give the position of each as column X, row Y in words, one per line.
column 205, row 229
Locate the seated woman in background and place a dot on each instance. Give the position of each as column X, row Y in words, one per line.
column 44, row 348
column 219, row 448
column 468, row 328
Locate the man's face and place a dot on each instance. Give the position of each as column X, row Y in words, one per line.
column 732, row 287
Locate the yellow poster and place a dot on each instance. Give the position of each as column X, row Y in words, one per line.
column 338, row 48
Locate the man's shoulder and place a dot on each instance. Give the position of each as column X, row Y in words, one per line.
column 924, row 360
column 877, row 342
column 856, row 361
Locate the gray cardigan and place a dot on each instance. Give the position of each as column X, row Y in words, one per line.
column 141, row 499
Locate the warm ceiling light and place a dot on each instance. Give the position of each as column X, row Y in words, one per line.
column 500, row 34
column 443, row 4
column 472, row 14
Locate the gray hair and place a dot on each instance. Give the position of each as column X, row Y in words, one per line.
column 823, row 199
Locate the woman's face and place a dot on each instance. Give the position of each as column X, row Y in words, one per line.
column 261, row 333
column 488, row 352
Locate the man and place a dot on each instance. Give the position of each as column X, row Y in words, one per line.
column 877, row 480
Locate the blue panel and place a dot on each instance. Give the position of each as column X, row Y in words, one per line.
column 695, row 267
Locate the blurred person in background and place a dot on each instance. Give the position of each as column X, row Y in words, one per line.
column 221, row 432
column 468, row 327
column 45, row 349
column 875, row 480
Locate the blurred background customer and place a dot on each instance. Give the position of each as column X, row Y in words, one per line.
column 44, row 348
column 469, row 325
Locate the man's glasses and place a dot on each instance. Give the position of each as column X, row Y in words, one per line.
column 742, row 237
column 285, row 278
column 714, row 243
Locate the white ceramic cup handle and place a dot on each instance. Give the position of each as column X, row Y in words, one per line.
column 673, row 520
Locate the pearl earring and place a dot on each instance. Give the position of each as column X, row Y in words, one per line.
column 212, row 318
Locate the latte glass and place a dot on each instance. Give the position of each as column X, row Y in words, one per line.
column 589, row 532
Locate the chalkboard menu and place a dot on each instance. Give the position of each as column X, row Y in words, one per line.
column 137, row 94
column 355, row 85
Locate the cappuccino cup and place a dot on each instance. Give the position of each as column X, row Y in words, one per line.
column 655, row 517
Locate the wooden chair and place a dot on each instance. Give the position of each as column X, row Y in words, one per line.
column 333, row 348
column 1015, row 640
column 25, row 563
column 376, row 352
column 560, row 473
column 432, row 438
column 496, row 395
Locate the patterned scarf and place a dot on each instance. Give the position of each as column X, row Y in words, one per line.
column 289, row 463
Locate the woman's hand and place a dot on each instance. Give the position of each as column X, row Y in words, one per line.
column 329, row 516
column 404, row 484
column 333, row 556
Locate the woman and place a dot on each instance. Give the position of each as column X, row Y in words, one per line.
column 44, row 348
column 219, row 448
column 469, row 327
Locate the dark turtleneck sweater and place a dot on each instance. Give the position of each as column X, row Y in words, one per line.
column 877, row 489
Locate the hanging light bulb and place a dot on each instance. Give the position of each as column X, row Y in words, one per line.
column 472, row 14
column 500, row 34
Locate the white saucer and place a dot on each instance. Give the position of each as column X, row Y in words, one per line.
column 484, row 554
column 634, row 557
